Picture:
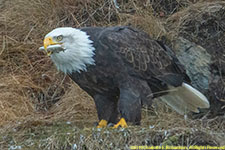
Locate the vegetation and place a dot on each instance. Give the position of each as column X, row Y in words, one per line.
column 42, row 108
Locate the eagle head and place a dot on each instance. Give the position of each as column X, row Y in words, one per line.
column 70, row 49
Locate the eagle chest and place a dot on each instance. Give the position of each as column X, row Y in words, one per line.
column 94, row 81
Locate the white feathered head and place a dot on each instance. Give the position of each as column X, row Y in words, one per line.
column 69, row 48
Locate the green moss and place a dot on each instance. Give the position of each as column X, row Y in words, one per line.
column 171, row 141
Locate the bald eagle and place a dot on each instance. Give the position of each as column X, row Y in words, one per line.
column 122, row 68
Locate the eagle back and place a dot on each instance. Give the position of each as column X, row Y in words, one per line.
column 147, row 57
column 138, row 49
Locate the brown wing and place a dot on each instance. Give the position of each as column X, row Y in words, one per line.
column 147, row 57
column 137, row 48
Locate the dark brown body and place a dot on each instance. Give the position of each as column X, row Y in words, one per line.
column 130, row 69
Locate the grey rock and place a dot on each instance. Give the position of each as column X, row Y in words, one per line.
column 196, row 61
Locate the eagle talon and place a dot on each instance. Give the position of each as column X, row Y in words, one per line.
column 122, row 123
column 102, row 124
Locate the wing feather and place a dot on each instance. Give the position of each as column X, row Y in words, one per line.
column 137, row 48
column 148, row 57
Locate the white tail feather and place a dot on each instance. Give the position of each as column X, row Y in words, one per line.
column 185, row 98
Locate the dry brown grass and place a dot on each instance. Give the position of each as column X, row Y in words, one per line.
column 28, row 78
column 31, row 87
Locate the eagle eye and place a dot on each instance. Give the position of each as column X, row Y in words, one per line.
column 59, row 38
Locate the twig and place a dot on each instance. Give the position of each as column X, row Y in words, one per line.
column 27, row 36
column 165, row 91
column 64, row 77
column 3, row 45
column 91, row 15
column 11, row 39
column 75, row 19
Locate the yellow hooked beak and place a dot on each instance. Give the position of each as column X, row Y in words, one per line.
column 48, row 41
